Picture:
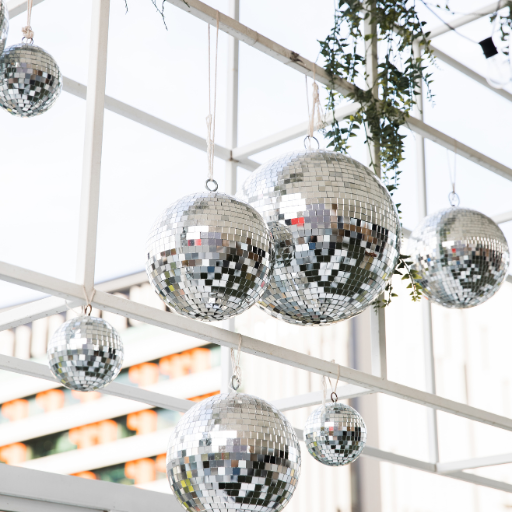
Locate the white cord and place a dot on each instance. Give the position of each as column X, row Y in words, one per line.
column 210, row 119
column 27, row 31
column 87, row 302
column 235, row 364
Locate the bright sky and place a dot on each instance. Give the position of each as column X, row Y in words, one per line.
column 164, row 73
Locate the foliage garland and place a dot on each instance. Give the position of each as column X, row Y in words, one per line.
column 400, row 74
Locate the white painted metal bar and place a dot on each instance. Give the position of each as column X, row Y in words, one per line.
column 24, row 505
column 480, row 462
column 31, row 311
column 431, row 468
column 95, row 108
column 431, row 133
column 468, row 18
column 212, row 334
column 426, row 307
column 290, row 133
column 78, row 492
column 469, row 73
column 16, row 7
column 138, row 116
column 41, row 371
column 315, row 398
column 502, row 217
column 377, row 315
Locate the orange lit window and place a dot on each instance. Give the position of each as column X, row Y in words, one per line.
column 96, row 433
column 15, row 410
column 89, row 475
column 144, row 374
column 51, row 400
column 85, row 397
column 143, row 422
column 160, row 463
column 13, row 453
column 190, row 361
column 141, row 471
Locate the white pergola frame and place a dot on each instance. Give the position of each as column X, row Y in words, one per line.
column 26, row 490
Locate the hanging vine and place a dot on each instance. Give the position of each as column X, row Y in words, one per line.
column 399, row 76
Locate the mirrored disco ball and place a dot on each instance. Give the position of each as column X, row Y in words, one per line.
column 461, row 255
column 335, row 434
column 30, row 80
column 210, row 256
column 85, row 353
column 4, row 24
column 336, row 231
column 233, row 452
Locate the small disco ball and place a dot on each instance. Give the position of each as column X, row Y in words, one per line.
column 210, row 256
column 4, row 24
column 335, row 434
column 233, row 452
column 461, row 255
column 85, row 353
column 30, row 80
column 336, row 232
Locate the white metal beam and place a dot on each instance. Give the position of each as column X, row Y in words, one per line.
column 93, row 145
column 41, row 371
column 502, row 217
column 24, row 505
column 138, row 116
column 431, row 468
column 70, row 491
column 212, row 334
column 290, row 133
column 480, row 462
column 468, row 18
column 469, row 73
column 315, row 398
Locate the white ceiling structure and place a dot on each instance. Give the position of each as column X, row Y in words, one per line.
column 26, row 490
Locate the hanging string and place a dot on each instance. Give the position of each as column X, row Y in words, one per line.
column 27, row 31
column 87, row 308
column 210, row 119
column 316, row 114
column 453, row 196
column 236, row 378
column 334, row 396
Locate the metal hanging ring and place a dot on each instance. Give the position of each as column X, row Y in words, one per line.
column 314, row 138
column 454, row 199
column 334, row 397
column 235, row 382
column 88, row 308
column 29, row 41
column 207, row 184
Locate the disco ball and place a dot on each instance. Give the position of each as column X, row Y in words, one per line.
column 335, row 434
column 461, row 255
column 85, row 353
column 30, row 80
column 4, row 24
column 210, row 256
column 336, row 232
column 233, row 452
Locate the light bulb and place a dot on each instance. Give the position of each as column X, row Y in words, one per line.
column 499, row 69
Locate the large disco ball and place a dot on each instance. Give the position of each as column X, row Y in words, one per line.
column 210, row 256
column 30, row 80
column 85, row 353
column 4, row 24
column 462, row 257
column 336, row 231
column 335, row 434
column 233, row 452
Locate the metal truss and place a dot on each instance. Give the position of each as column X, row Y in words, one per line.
column 27, row 490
